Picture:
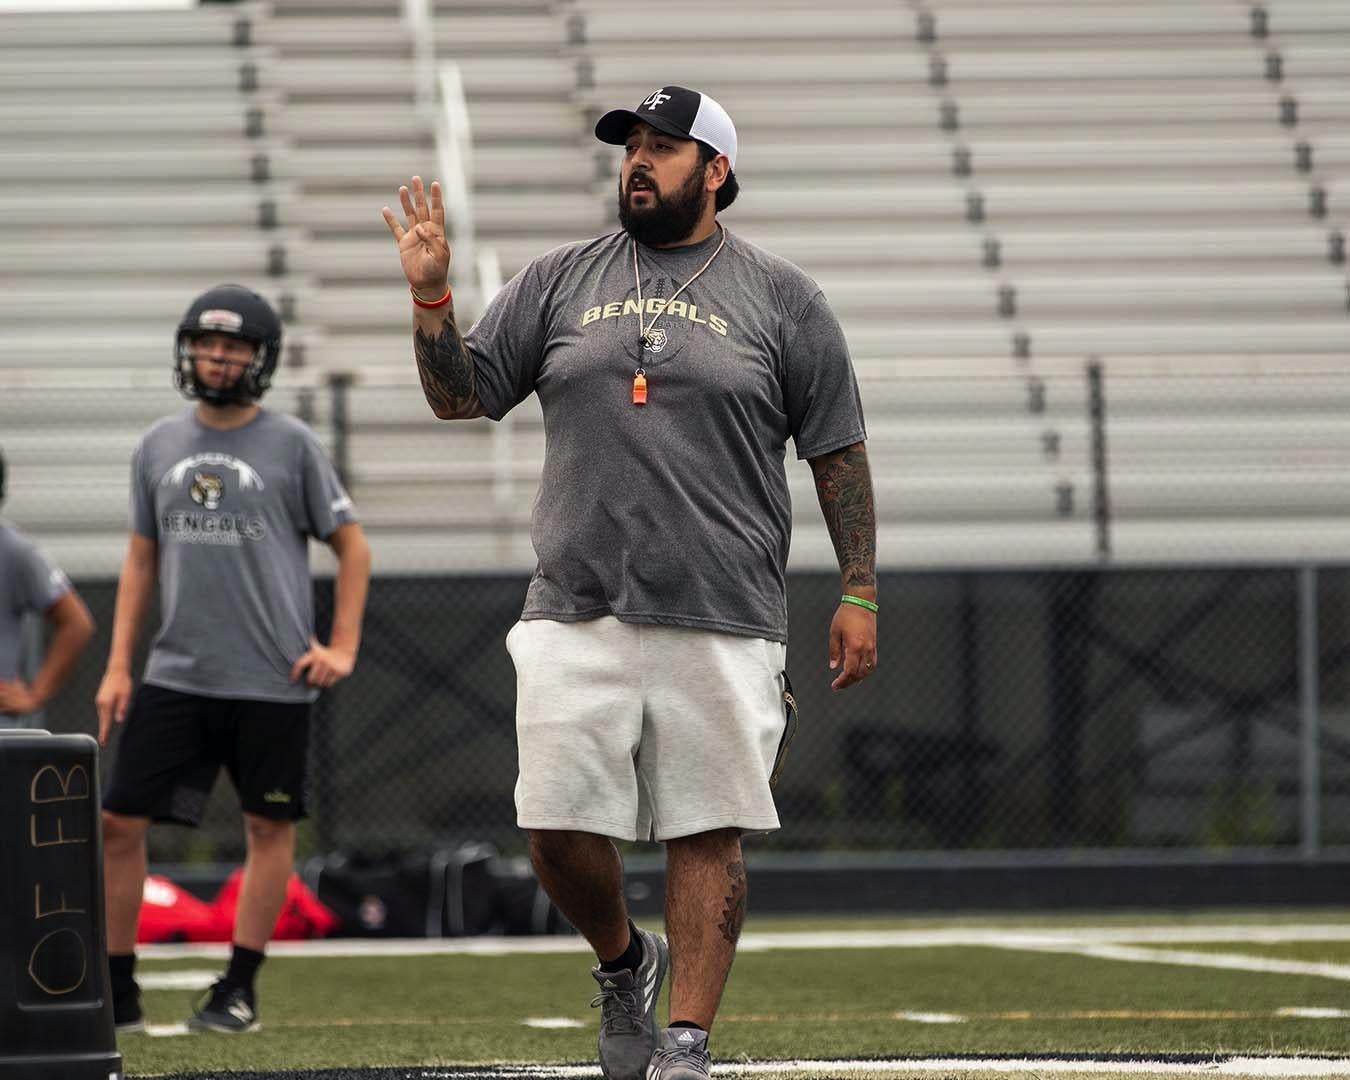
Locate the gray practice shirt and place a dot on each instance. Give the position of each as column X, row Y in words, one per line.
column 677, row 511
column 231, row 512
column 28, row 582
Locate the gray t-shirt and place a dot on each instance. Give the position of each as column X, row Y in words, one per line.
column 677, row 511
column 28, row 583
column 231, row 512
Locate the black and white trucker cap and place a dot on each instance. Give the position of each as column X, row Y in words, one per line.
column 678, row 111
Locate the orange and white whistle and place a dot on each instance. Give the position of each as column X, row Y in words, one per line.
column 639, row 387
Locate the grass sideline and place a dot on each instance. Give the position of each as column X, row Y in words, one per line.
column 783, row 1004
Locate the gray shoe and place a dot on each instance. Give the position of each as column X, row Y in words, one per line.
column 627, row 1002
column 682, row 1055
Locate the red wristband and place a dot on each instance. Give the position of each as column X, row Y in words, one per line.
column 430, row 303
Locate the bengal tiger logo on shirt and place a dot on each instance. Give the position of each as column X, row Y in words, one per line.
column 207, row 489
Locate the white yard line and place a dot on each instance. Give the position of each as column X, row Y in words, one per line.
column 988, row 937
column 176, row 980
column 1249, row 1067
column 167, row 1031
column 931, row 1017
column 1225, row 961
column 1255, row 1067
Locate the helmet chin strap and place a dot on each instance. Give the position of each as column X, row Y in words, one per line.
column 230, row 395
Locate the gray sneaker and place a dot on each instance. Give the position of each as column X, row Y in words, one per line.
column 627, row 1002
column 682, row 1055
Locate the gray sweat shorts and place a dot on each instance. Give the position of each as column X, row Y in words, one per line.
column 645, row 732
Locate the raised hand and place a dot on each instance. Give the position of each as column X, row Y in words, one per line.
column 422, row 247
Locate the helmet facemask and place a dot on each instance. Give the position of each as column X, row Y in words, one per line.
column 251, row 384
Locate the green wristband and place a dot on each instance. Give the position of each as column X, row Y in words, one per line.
column 847, row 599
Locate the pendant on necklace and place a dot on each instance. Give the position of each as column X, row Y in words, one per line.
column 639, row 387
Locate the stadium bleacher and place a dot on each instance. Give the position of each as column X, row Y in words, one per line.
column 990, row 198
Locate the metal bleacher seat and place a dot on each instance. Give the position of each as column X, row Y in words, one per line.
column 1191, row 337
column 1258, row 149
column 118, row 69
column 231, row 160
column 1102, row 105
column 214, row 25
column 203, row 203
column 1215, row 244
column 604, row 23
column 1100, row 293
column 203, row 116
column 1148, row 198
column 871, row 70
column 243, row 254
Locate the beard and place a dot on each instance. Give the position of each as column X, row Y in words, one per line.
column 669, row 218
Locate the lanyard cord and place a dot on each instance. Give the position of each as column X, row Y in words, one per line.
column 644, row 331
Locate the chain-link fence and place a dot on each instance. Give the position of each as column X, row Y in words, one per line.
column 1080, row 709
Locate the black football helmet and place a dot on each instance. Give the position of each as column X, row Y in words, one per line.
column 238, row 312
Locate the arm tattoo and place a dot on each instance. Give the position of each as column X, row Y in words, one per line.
column 733, row 915
column 844, row 487
column 446, row 370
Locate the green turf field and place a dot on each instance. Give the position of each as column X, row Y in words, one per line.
column 970, row 994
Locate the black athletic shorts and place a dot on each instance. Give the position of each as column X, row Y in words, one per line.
column 173, row 745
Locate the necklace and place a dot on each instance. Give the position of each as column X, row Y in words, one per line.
column 645, row 332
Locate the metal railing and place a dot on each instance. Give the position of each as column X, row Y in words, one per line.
column 454, row 156
column 440, row 101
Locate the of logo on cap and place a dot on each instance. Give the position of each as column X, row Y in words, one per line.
column 678, row 111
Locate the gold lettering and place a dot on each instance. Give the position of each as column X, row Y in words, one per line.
column 653, row 305
column 63, row 782
column 38, row 980
column 38, row 913
column 60, row 834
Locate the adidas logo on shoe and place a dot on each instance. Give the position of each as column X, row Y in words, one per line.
column 686, row 1036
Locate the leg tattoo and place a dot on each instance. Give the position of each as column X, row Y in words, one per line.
column 733, row 915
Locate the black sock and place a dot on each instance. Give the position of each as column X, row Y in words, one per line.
column 121, row 971
column 688, row 1024
column 244, row 964
column 631, row 958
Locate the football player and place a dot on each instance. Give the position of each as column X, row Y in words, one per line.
column 224, row 497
